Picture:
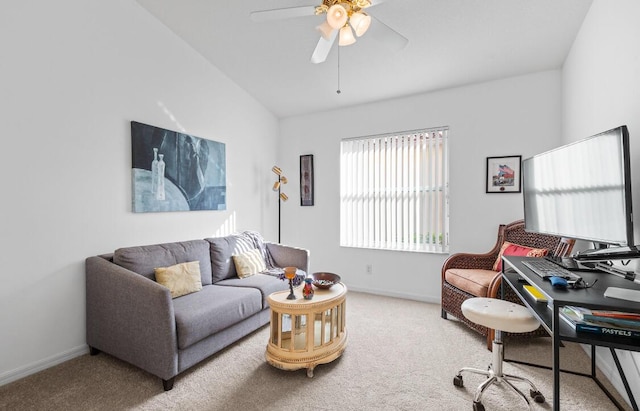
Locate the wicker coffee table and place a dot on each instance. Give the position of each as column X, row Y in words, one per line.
column 305, row 333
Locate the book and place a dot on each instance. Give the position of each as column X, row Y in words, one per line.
column 571, row 315
column 535, row 293
column 620, row 322
column 604, row 330
column 616, row 314
column 614, row 318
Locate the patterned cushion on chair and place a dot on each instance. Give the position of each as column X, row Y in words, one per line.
column 472, row 280
column 517, row 250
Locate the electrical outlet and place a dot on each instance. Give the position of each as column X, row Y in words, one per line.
column 369, row 269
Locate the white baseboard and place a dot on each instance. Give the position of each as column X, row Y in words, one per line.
column 21, row 372
column 405, row 296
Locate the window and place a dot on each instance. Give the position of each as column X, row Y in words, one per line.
column 394, row 191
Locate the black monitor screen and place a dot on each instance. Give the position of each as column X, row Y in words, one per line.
column 582, row 190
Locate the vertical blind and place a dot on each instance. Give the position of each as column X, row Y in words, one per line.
column 394, row 191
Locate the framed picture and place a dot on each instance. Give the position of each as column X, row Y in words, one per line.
column 306, row 180
column 174, row 171
column 503, row 174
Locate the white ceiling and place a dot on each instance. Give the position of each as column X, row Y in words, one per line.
column 451, row 43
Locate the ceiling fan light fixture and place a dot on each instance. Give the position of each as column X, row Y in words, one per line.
column 346, row 36
column 337, row 16
column 360, row 23
column 325, row 30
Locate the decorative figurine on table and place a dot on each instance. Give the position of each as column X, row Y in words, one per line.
column 290, row 274
column 307, row 291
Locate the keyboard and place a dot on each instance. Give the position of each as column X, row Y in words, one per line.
column 545, row 268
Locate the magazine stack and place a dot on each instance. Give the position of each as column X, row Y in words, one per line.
column 612, row 323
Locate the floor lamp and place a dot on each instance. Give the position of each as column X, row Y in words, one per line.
column 277, row 186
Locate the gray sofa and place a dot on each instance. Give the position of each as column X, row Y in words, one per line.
column 134, row 318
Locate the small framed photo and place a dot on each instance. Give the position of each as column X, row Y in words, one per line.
column 306, row 180
column 503, row 174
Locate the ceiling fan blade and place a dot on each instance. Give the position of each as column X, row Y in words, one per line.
column 323, row 48
column 388, row 36
column 279, row 14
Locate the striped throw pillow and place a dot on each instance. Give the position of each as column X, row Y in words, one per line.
column 249, row 263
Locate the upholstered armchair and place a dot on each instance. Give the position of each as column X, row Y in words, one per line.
column 466, row 275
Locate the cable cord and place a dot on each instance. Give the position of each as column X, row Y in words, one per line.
column 338, row 90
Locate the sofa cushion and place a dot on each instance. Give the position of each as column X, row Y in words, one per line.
column 180, row 279
column 474, row 281
column 266, row 284
column 144, row 259
column 249, row 263
column 222, row 250
column 517, row 250
column 213, row 309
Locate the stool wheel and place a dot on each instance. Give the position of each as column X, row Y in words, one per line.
column 477, row 406
column 457, row 381
column 537, row 396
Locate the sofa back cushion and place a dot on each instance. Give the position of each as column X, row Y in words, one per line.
column 144, row 259
column 222, row 250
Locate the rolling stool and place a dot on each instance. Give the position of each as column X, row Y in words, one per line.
column 502, row 316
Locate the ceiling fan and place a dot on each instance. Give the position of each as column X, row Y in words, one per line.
column 343, row 19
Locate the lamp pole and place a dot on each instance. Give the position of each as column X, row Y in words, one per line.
column 281, row 196
column 279, row 206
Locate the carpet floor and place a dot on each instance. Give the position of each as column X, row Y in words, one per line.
column 400, row 356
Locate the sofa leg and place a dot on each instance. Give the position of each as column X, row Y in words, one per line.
column 443, row 314
column 168, row 384
column 93, row 351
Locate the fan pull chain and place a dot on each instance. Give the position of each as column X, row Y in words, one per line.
column 338, row 90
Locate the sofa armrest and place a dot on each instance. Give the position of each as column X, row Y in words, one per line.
column 288, row 256
column 130, row 317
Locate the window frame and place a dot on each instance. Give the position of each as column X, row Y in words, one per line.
column 385, row 201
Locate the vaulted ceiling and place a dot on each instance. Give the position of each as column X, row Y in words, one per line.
column 451, row 43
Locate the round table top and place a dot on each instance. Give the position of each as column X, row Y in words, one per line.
column 320, row 296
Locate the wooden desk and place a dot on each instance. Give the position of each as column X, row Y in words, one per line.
column 305, row 333
column 592, row 298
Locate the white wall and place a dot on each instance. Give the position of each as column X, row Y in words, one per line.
column 73, row 74
column 601, row 90
column 514, row 116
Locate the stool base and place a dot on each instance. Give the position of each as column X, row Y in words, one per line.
column 496, row 376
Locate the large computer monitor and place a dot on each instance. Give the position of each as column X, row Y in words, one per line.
column 582, row 190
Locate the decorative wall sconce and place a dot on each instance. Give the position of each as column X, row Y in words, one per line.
column 277, row 186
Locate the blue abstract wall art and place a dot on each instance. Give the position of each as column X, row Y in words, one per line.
column 174, row 171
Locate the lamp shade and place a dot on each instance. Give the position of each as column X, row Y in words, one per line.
column 337, row 16
column 360, row 23
column 325, row 30
column 346, row 36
